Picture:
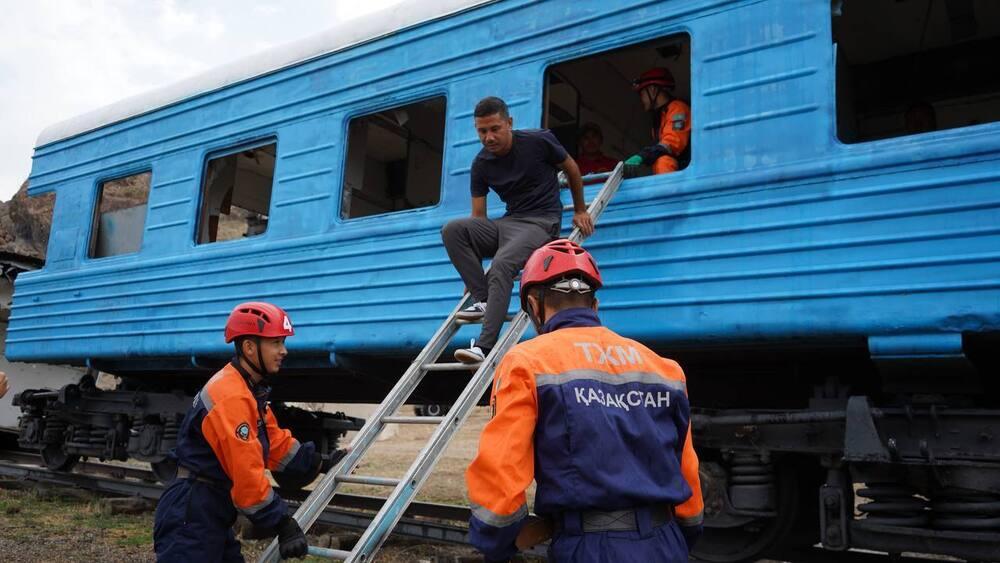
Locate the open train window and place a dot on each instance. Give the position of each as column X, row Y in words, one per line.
column 236, row 194
column 120, row 216
column 906, row 67
column 592, row 98
column 394, row 159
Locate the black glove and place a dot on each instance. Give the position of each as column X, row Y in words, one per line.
column 652, row 152
column 331, row 460
column 291, row 541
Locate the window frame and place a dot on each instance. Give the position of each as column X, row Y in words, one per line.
column 367, row 110
column 98, row 190
column 632, row 42
column 904, row 141
column 223, row 151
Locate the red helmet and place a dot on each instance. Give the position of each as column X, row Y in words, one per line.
column 658, row 76
column 556, row 260
column 258, row 319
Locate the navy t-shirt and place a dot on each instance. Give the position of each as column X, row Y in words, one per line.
column 524, row 178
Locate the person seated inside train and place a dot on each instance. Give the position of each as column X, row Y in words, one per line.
column 919, row 117
column 590, row 156
column 521, row 167
column 670, row 120
column 226, row 441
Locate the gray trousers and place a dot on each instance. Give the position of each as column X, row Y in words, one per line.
column 509, row 241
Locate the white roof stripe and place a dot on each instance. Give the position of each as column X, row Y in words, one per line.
column 347, row 34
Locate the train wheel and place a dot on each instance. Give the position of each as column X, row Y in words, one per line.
column 55, row 459
column 729, row 540
column 165, row 470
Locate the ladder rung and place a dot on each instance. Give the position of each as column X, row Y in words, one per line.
column 338, row 554
column 364, row 480
column 569, row 207
column 413, row 419
column 453, row 366
column 507, row 319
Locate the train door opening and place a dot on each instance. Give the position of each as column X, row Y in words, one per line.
column 906, row 68
column 595, row 94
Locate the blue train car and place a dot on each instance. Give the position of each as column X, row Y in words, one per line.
column 826, row 266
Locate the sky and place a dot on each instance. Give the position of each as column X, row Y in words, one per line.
column 61, row 58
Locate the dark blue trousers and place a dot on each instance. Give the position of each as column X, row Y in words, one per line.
column 660, row 544
column 194, row 522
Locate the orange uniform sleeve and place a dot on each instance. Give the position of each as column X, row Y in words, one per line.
column 691, row 511
column 504, row 467
column 283, row 445
column 230, row 428
column 674, row 134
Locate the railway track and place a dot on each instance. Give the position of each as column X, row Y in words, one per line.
column 428, row 521
column 425, row 521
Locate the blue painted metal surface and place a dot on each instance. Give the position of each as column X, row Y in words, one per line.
column 776, row 231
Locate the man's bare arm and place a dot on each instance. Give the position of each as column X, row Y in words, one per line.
column 581, row 218
column 479, row 207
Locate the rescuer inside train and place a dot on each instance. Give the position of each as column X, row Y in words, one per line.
column 225, row 443
column 670, row 121
column 599, row 422
column 521, row 167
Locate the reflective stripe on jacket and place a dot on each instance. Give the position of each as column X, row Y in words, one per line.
column 230, row 435
column 674, row 134
column 598, row 421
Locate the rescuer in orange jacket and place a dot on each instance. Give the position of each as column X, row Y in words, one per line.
column 225, row 443
column 670, row 119
column 600, row 423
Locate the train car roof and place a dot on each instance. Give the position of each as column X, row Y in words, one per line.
column 407, row 13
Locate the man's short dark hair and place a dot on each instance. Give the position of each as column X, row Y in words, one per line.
column 559, row 300
column 491, row 105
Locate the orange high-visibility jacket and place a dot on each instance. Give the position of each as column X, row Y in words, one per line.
column 674, row 134
column 231, row 435
column 598, row 421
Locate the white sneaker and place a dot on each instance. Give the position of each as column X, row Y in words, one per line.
column 471, row 355
column 474, row 312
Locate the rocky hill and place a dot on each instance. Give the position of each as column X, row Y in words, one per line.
column 25, row 223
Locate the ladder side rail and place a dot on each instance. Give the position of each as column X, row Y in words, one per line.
column 392, row 510
column 311, row 508
column 390, row 513
column 420, row 470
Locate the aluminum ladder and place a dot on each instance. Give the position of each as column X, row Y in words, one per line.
column 405, row 489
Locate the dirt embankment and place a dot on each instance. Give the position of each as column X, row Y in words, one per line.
column 25, row 223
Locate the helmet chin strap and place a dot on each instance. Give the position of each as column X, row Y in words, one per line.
column 259, row 367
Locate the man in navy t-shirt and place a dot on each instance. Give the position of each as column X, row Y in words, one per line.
column 521, row 167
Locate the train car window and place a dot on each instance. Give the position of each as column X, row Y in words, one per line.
column 906, row 68
column 394, row 159
column 592, row 108
column 120, row 216
column 236, row 194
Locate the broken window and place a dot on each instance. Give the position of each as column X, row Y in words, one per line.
column 606, row 115
column 120, row 216
column 236, row 194
column 394, row 160
column 915, row 66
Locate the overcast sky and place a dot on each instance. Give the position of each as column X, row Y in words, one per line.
column 61, row 58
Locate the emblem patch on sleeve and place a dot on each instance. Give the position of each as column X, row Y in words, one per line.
column 243, row 432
